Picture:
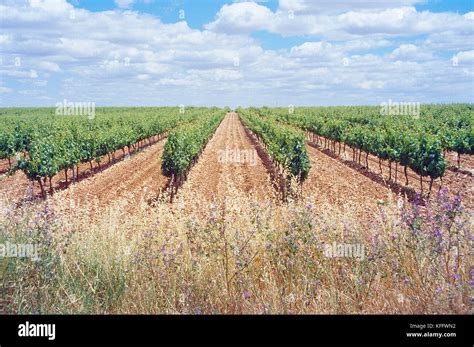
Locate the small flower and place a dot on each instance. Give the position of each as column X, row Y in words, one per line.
column 456, row 277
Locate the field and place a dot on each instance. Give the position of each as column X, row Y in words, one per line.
column 255, row 210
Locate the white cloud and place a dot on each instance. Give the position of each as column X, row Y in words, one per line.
column 337, row 6
column 469, row 15
column 371, row 84
column 364, row 44
column 127, row 57
column 410, row 52
column 48, row 66
column 124, row 3
column 322, row 51
column 177, row 82
column 242, row 16
column 375, row 21
column 51, row 6
column 466, row 57
column 19, row 74
column 4, row 39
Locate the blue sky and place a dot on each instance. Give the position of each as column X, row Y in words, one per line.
column 202, row 12
column 217, row 52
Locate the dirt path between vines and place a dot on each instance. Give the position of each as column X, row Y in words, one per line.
column 457, row 181
column 229, row 164
column 132, row 181
column 331, row 182
column 129, row 182
column 17, row 189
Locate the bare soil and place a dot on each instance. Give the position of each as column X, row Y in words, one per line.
column 457, row 181
column 216, row 176
column 133, row 181
column 332, row 182
column 104, row 183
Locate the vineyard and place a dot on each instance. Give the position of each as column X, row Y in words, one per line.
column 46, row 144
column 285, row 146
column 41, row 144
column 185, row 144
column 143, row 202
column 417, row 143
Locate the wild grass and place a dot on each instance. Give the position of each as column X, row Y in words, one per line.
column 240, row 256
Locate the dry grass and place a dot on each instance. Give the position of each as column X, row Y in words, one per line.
column 240, row 256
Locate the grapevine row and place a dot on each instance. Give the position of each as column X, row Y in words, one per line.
column 285, row 146
column 452, row 125
column 417, row 143
column 185, row 144
column 45, row 145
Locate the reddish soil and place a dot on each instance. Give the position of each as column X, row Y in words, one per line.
column 466, row 161
column 457, row 181
column 332, row 182
column 4, row 167
column 333, row 179
column 133, row 180
column 17, row 188
column 216, row 176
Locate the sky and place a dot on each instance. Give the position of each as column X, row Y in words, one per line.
column 236, row 53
